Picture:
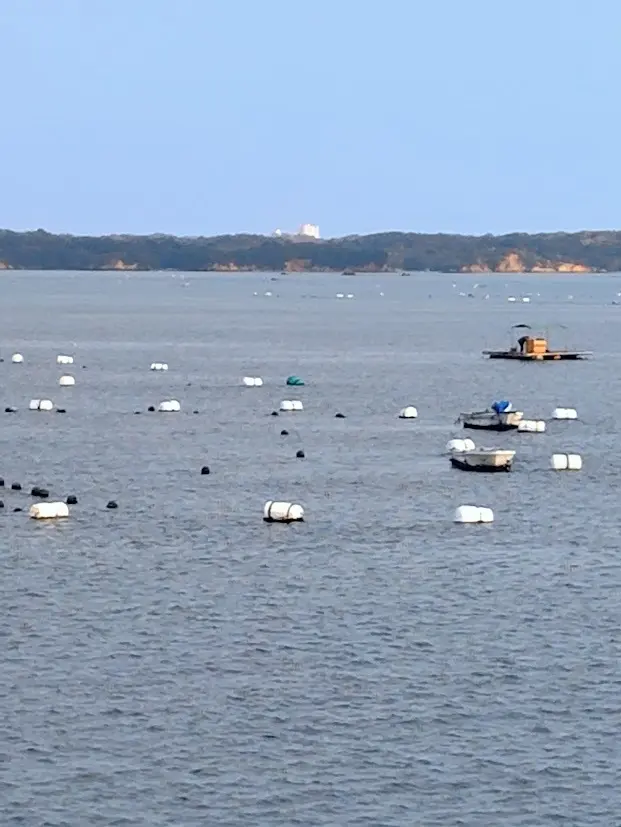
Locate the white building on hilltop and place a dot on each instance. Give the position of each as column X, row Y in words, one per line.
column 310, row 230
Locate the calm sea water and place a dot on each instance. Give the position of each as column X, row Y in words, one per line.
column 179, row 662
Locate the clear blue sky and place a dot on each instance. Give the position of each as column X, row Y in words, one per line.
column 215, row 116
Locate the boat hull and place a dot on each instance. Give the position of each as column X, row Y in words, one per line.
column 492, row 421
column 492, row 426
column 485, row 469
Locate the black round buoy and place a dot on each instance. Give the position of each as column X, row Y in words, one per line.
column 16, row 509
column 61, row 410
column 42, row 493
column 136, row 413
column 150, row 408
column 284, row 433
column 1, row 483
column 195, row 412
column 274, row 413
column 339, row 416
column 16, row 486
column 112, row 504
column 205, row 470
column 300, row 455
column 1, row 504
column 72, row 499
column 10, row 409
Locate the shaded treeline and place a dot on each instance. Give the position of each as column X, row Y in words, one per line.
column 381, row 251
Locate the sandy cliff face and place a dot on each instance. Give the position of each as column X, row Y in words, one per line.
column 514, row 263
column 479, row 267
column 511, row 263
column 119, row 264
column 225, row 268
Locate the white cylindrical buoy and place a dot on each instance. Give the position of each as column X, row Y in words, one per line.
column 282, row 512
column 41, row 405
column 408, row 413
column 258, row 382
column 460, row 445
column 473, row 514
column 252, row 381
column 531, row 426
column 159, row 366
column 566, row 462
column 66, row 381
column 48, row 511
column 34, row 404
column 297, row 405
column 291, row 405
column 564, row 413
column 486, row 515
column 169, row 406
column 64, row 360
column 17, row 358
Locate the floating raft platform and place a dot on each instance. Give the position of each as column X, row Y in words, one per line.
column 548, row 356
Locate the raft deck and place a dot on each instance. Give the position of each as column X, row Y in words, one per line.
column 550, row 355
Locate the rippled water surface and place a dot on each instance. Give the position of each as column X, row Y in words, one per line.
column 179, row 662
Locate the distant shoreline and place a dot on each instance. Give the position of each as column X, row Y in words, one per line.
column 583, row 252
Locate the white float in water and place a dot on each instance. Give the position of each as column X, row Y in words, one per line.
column 566, row 462
column 532, row 426
column 460, row 445
column 564, row 413
column 41, row 405
column 48, row 511
column 408, row 413
column 291, row 405
column 281, row 512
column 169, row 406
column 350, row 295
column 525, row 299
column 159, row 366
column 252, row 381
column 511, row 299
column 66, row 381
column 473, row 514
column 340, row 295
column 17, row 358
column 64, row 360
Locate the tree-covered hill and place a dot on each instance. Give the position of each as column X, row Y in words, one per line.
column 544, row 252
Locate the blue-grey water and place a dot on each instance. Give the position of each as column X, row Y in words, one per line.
column 180, row 662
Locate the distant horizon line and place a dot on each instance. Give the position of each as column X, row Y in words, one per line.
column 311, row 239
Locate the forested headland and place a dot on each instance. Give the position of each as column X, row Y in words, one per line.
column 587, row 251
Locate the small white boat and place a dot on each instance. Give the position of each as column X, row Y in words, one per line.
column 483, row 459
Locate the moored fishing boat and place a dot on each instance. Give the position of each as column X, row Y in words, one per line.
column 483, row 459
column 499, row 417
